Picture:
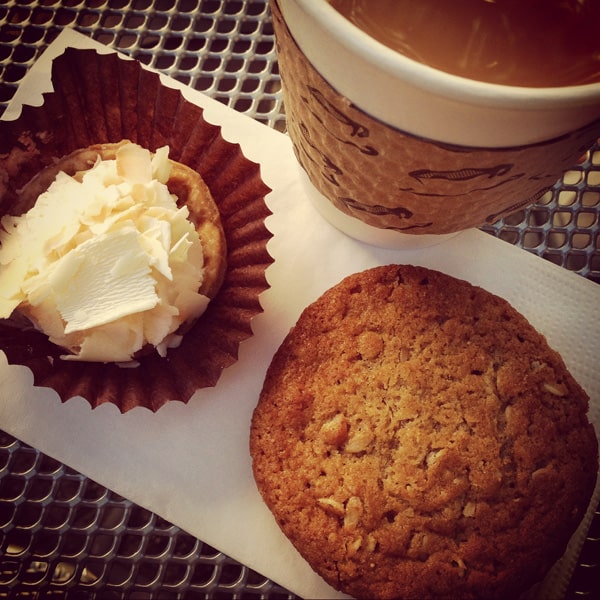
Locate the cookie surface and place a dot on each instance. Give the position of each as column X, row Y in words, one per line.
column 416, row 437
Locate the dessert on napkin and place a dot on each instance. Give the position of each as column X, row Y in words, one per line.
column 177, row 260
column 119, row 252
column 416, row 437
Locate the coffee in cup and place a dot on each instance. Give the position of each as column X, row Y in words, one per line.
column 398, row 153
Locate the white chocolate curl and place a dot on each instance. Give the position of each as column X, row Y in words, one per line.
column 105, row 263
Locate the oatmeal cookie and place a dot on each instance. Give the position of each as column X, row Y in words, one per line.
column 416, row 437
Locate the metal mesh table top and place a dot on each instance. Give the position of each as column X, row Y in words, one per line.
column 62, row 534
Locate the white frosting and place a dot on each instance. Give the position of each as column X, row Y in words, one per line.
column 105, row 263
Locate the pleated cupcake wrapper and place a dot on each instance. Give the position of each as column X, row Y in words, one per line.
column 100, row 98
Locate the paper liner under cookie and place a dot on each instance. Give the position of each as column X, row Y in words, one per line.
column 102, row 98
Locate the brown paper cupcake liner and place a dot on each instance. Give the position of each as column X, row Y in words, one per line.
column 101, row 98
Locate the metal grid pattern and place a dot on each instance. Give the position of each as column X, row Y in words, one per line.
column 63, row 535
column 564, row 226
column 224, row 48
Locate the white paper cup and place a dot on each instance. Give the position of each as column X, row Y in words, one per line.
column 401, row 150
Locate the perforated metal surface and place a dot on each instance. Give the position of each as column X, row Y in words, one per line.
column 564, row 226
column 62, row 535
column 223, row 48
column 64, row 531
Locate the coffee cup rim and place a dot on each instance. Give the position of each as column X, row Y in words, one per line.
column 442, row 83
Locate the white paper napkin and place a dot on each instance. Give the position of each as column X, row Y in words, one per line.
column 190, row 463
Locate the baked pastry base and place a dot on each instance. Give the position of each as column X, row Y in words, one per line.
column 415, row 437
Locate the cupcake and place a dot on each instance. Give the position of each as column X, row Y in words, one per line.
column 106, row 118
column 121, row 251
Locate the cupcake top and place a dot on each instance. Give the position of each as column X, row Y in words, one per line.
column 106, row 262
column 222, row 189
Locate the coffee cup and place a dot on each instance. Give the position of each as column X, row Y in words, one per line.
column 397, row 153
